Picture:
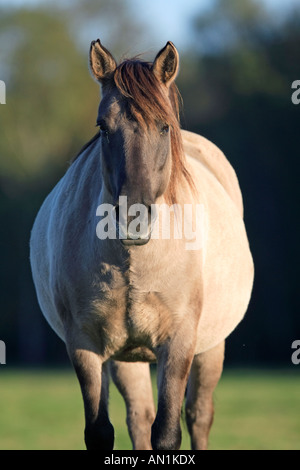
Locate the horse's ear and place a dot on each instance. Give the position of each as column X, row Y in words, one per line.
column 102, row 63
column 166, row 64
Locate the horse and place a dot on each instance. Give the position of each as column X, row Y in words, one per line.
column 124, row 300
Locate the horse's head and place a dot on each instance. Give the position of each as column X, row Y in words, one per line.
column 139, row 128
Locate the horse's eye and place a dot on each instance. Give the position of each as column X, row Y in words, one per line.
column 102, row 127
column 103, row 130
column 164, row 129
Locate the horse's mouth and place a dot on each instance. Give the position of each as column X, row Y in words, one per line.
column 128, row 235
column 134, row 238
column 137, row 241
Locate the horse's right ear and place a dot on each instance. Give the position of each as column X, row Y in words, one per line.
column 102, row 63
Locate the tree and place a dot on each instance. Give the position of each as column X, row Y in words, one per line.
column 51, row 101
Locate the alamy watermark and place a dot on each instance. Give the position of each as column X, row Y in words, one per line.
column 296, row 94
column 160, row 221
column 2, row 352
column 2, row 92
column 296, row 354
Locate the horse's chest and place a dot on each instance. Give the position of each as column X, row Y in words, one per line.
column 137, row 308
column 148, row 316
column 144, row 317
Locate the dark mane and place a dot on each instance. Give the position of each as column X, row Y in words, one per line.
column 149, row 104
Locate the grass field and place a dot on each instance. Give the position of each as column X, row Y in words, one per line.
column 254, row 410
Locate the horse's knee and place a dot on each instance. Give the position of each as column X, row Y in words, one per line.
column 99, row 437
column 163, row 438
column 149, row 416
column 196, row 414
column 199, row 418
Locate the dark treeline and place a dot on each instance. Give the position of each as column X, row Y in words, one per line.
column 236, row 86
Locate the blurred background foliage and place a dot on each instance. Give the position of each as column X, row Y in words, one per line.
column 235, row 80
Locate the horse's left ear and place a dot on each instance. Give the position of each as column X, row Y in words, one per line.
column 166, row 64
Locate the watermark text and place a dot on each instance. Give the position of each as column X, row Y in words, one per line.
column 296, row 94
column 2, row 352
column 2, row 92
column 296, row 354
column 159, row 221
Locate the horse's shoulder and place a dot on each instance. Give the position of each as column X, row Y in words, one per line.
column 203, row 150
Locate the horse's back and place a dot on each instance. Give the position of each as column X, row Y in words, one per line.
column 214, row 160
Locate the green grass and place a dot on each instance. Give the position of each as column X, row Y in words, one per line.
column 254, row 410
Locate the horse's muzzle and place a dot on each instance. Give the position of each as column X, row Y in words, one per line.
column 129, row 237
column 131, row 241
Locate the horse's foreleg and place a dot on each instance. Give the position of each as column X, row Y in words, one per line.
column 134, row 383
column 173, row 366
column 205, row 373
column 93, row 378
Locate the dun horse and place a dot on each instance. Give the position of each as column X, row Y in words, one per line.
column 120, row 303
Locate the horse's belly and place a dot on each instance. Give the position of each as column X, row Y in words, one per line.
column 135, row 354
column 227, row 270
column 226, row 296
